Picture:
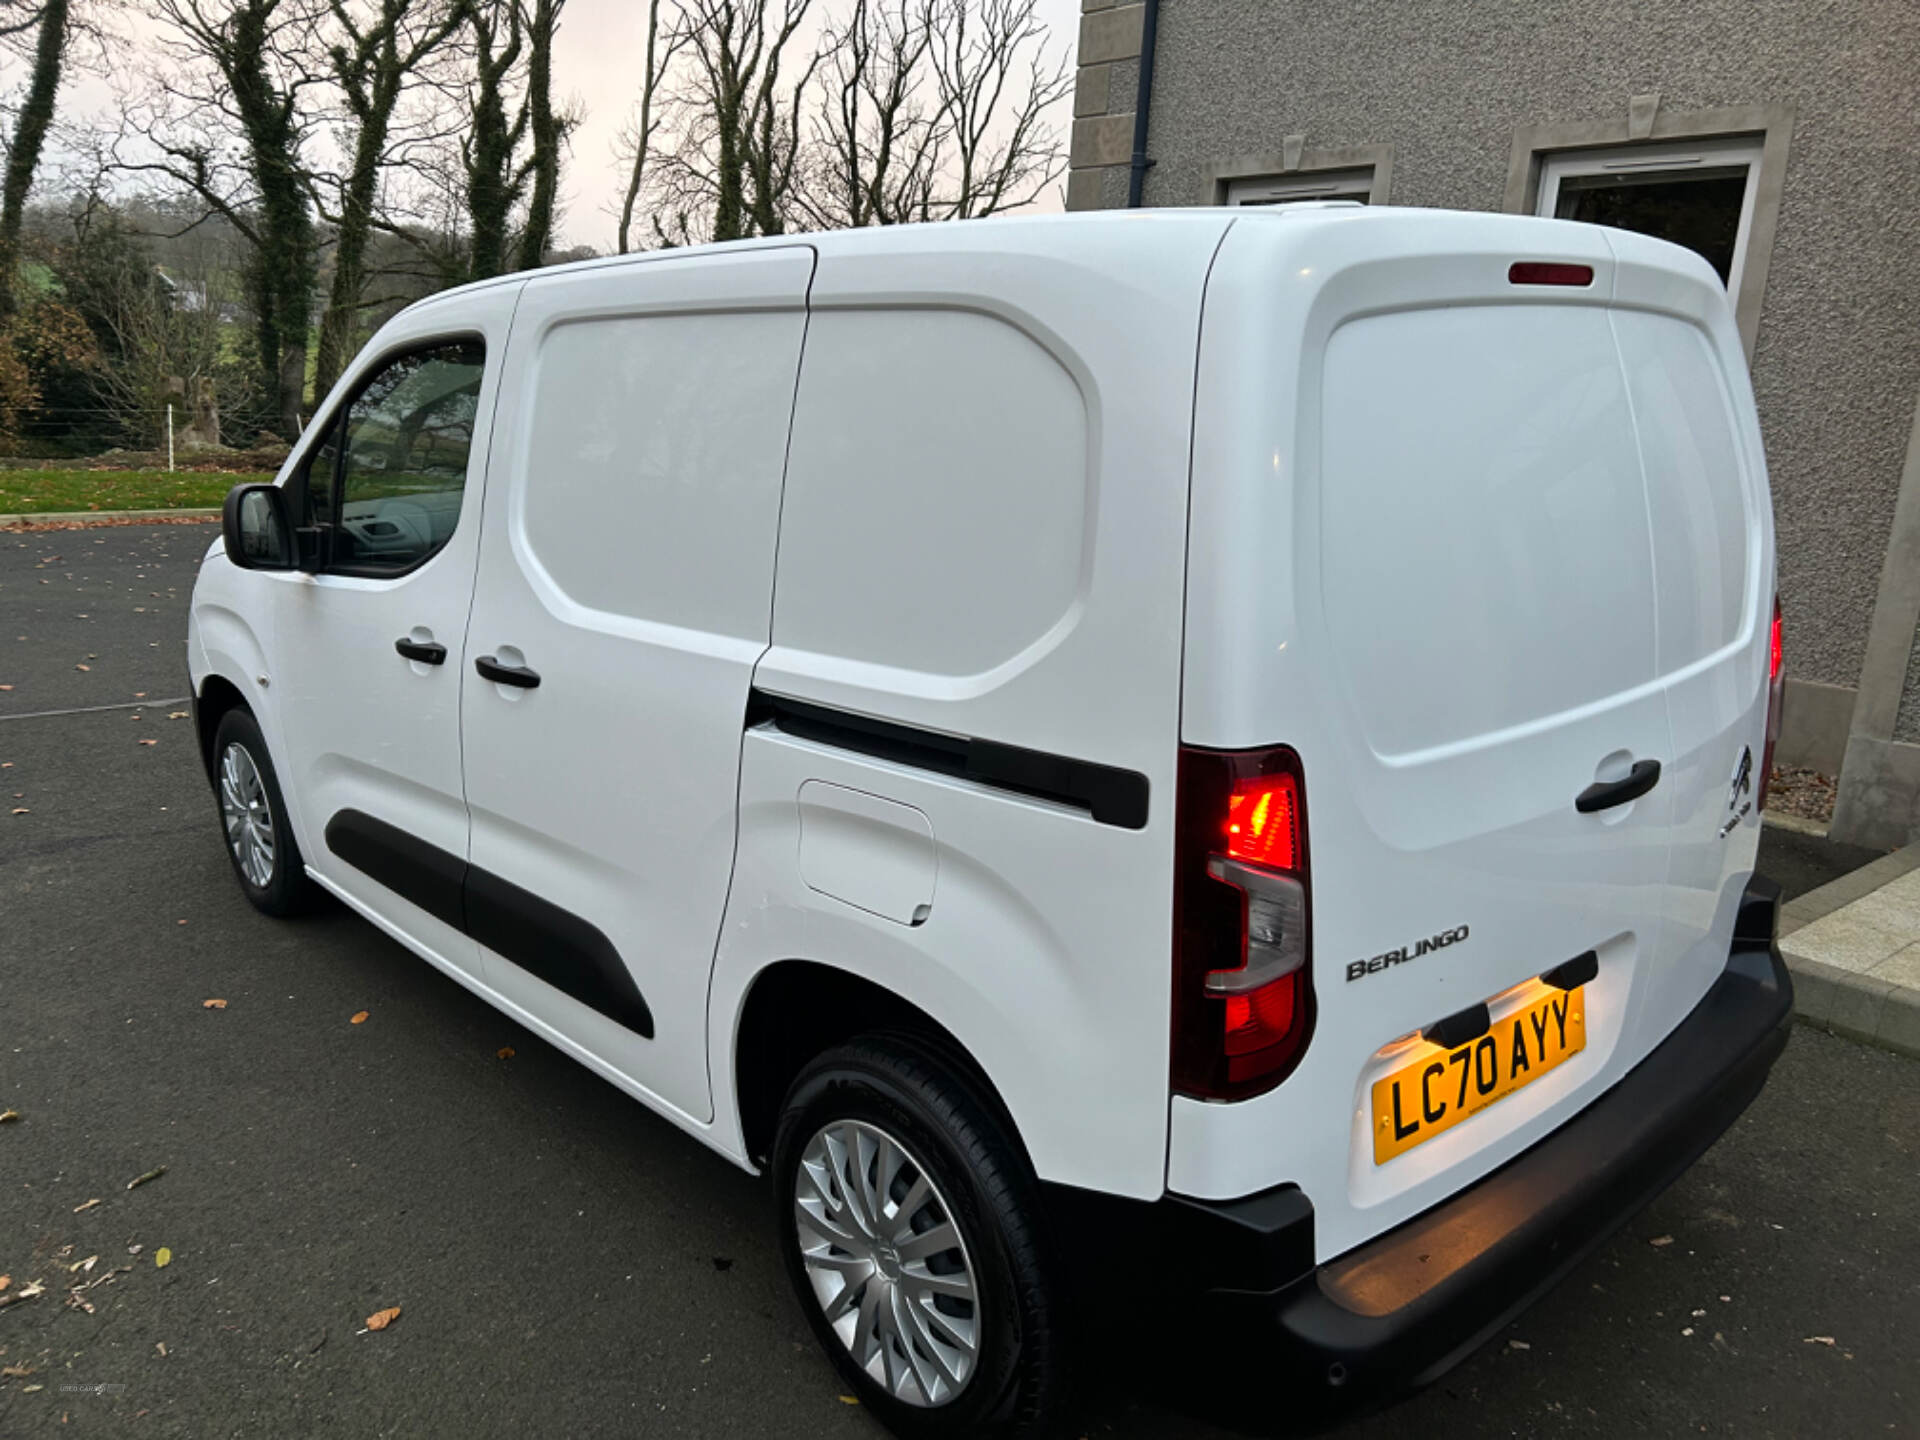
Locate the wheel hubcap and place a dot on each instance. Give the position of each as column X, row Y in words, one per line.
column 887, row 1262
column 243, row 805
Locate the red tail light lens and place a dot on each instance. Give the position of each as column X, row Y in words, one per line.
column 1243, row 995
column 1263, row 821
column 1776, row 685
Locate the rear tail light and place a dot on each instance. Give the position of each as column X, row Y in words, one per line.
column 1242, row 984
column 1776, row 684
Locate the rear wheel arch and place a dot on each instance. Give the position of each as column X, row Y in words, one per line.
column 797, row 1010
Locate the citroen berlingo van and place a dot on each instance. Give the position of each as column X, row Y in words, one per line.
column 1221, row 748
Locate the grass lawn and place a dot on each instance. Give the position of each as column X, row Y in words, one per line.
column 38, row 491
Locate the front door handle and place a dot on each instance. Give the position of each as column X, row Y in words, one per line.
column 516, row 675
column 1605, row 794
column 426, row 652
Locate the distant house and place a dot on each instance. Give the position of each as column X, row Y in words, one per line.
column 191, row 297
column 1780, row 141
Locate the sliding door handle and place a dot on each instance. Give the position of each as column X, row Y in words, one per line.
column 426, row 652
column 516, row 675
column 1605, row 794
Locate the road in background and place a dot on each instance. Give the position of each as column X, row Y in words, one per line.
column 567, row 1264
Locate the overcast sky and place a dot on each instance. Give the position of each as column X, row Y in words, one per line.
column 597, row 62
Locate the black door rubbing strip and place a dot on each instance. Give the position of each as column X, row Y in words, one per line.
column 555, row 945
column 1111, row 795
column 425, row 874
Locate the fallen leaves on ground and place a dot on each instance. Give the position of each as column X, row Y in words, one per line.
column 359, row 1018
column 81, row 1209
column 162, row 1258
column 505, row 1052
column 381, row 1319
column 22, row 810
column 8, row 1116
column 15, row 1372
column 1660, row 1240
column 1818, row 1340
column 83, row 667
column 5, row 1281
column 153, row 1174
column 149, row 742
column 849, row 1399
column 211, row 1004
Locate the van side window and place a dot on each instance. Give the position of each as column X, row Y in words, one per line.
column 404, row 471
column 315, row 483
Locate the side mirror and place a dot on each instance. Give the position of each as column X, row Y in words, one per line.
column 256, row 529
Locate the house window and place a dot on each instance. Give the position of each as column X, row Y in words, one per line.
column 1699, row 194
column 1292, row 189
column 1294, row 173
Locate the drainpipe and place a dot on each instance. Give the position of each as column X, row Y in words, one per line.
column 1137, row 167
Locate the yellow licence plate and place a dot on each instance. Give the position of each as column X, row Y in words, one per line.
column 1444, row 1087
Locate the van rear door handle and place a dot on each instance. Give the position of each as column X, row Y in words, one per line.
column 1605, row 794
column 516, row 675
column 426, row 652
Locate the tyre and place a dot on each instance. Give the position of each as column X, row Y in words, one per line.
column 253, row 818
column 911, row 1230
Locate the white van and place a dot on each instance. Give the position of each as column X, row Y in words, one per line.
column 1221, row 749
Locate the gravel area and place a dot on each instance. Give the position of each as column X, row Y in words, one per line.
column 1793, row 790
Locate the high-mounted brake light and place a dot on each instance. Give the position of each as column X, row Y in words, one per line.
column 1243, row 996
column 1776, row 684
column 1548, row 272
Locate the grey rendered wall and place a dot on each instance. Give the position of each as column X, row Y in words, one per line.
column 1837, row 361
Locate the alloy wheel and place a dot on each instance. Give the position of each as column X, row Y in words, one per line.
column 248, row 816
column 887, row 1262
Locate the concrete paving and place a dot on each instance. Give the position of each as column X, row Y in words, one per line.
column 567, row 1264
column 1854, row 948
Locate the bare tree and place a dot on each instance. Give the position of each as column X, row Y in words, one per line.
column 906, row 110
column 736, row 133
column 876, row 144
column 997, row 79
column 228, row 123
column 374, row 56
column 30, row 128
column 935, row 110
column 637, row 140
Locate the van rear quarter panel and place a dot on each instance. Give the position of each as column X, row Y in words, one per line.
column 948, row 374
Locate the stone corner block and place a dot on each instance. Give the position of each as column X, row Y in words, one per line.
column 1111, row 34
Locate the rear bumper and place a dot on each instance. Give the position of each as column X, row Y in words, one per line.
column 1402, row 1309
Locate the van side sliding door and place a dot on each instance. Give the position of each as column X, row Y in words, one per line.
column 625, row 592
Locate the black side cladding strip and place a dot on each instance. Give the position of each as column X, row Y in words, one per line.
column 1111, row 795
column 555, row 945
column 414, row 870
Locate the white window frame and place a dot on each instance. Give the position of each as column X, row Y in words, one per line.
column 1674, row 158
column 1354, row 184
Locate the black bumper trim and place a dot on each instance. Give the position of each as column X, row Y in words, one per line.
column 1404, row 1308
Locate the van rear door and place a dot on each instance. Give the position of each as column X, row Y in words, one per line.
column 1422, row 556
column 1712, row 532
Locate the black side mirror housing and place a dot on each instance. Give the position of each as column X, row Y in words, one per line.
column 257, row 529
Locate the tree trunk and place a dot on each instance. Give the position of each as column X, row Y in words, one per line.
column 546, row 130
column 29, row 137
column 337, row 325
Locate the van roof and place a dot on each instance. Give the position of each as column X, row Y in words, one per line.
column 1204, row 225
